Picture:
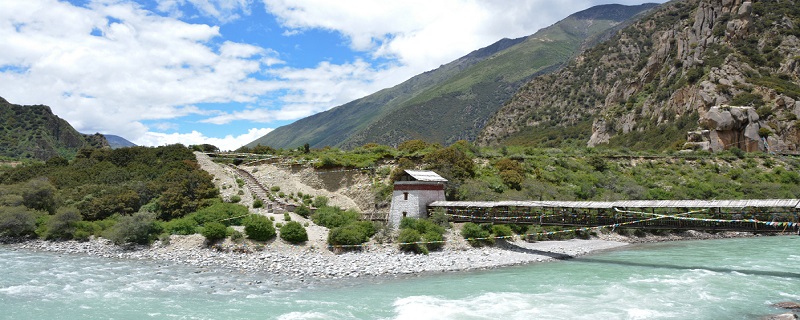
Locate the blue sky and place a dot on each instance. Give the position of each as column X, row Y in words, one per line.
column 226, row 72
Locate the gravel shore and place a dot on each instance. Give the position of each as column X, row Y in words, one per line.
column 311, row 263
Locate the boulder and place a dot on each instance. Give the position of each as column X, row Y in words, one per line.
column 787, row 305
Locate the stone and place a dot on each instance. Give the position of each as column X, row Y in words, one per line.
column 787, row 305
column 784, row 316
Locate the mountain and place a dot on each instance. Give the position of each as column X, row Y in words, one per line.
column 454, row 101
column 116, row 142
column 726, row 71
column 34, row 132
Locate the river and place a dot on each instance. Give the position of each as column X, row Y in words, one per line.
column 709, row 279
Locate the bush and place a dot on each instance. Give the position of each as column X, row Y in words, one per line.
column 63, row 224
column 214, row 231
column 287, row 217
column 424, row 230
column 351, row 234
column 235, row 199
column 139, row 228
column 86, row 229
column 408, row 241
column 17, row 221
column 501, row 230
column 320, row 201
column 333, row 217
column 226, row 213
column 475, row 234
column 182, row 226
column 303, row 211
column 258, row 204
column 294, row 232
column 259, row 228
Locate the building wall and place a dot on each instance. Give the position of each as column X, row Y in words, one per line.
column 420, row 194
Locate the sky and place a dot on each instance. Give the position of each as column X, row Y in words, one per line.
column 226, row 72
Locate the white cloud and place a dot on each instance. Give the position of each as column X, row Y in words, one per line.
column 109, row 65
column 229, row 142
column 106, row 67
column 423, row 34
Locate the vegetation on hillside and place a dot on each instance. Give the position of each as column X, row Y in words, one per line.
column 127, row 195
column 35, row 133
column 647, row 86
column 454, row 101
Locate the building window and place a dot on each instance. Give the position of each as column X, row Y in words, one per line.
column 405, row 195
column 405, row 214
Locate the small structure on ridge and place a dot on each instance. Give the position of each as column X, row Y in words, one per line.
column 413, row 192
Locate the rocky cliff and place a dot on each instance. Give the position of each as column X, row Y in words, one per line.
column 34, row 132
column 651, row 83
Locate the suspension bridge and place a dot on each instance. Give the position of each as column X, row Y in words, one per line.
column 758, row 216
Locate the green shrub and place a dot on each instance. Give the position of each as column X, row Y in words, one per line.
column 17, row 221
column 320, row 201
column 333, row 217
column 258, row 204
column 183, row 226
column 259, row 228
column 235, row 199
column 214, row 231
column 63, row 224
column 275, row 189
column 351, row 234
column 294, row 232
column 424, row 230
column 535, row 233
column 303, row 211
column 408, row 241
column 226, row 213
column 501, row 230
column 139, row 228
column 475, row 234
column 287, row 217
column 86, row 229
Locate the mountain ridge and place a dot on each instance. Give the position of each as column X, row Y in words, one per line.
column 34, row 132
column 389, row 115
column 659, row 78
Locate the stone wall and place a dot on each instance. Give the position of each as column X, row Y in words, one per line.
column 412, row 198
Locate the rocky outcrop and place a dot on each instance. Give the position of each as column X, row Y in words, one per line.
column 728, row 127
column 661, row 73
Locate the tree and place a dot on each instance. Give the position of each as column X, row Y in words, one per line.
column 17, row 221
column 39, row 194
column 451, row 162
column 511, row 172
column 184, row 191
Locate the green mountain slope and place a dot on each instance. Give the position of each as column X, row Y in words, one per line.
column 672, row 72
column 454, row 101
column 34, row 132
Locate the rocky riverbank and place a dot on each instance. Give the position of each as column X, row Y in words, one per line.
column 309, row 262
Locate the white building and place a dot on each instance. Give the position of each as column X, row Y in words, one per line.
column 412, row 193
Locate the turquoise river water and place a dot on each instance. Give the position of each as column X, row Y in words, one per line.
column 711, row 279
